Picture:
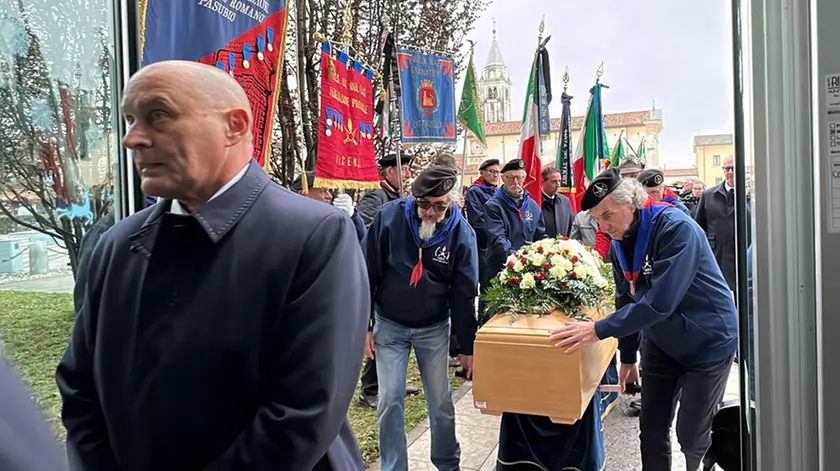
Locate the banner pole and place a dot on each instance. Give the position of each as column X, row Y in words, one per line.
column 393, row 105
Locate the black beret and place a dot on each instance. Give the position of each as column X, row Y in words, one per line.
column 488, row 163
column 515, row 164
column 434, row 181
column 297, row 185
column 600, row 187
column 651, row 178
column 390, row 160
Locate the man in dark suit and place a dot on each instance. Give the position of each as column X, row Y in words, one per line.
column 203, row 341
column 556, row 208
column 716, row 215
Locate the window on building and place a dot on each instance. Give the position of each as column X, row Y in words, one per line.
column 716, row 161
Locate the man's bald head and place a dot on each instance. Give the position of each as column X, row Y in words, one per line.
column 210, row 86
column 189, row 125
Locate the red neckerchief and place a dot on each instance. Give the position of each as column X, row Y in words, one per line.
column 384, row 183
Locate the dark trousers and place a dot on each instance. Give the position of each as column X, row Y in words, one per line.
column 699, row 390
column 370, row 382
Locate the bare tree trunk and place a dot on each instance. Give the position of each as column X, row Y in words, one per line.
column 303, row 38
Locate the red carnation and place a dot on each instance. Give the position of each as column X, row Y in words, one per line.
column 524, row 260
column 513, row 281
column 565, row 286
column 574, row 259
column 540, row 250
column 573, row 275
column 547, row 266
column 510, row 265
column 566, row 251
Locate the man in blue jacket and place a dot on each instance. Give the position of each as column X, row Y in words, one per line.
column 511, row 218
column 422, row 263
column 668, row 286
column 653, row 180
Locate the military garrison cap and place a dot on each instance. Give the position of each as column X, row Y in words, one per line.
column 651, row 178
column 488, row 163
column 434, row 181
column 390, row 160
column 600, row 188
column 515, row 164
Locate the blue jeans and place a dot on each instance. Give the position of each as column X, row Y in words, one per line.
column 393, row 343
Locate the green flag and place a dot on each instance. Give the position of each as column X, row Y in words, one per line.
column 618, row 151
column 469, row 111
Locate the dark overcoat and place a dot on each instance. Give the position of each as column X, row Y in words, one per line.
column 227, row 339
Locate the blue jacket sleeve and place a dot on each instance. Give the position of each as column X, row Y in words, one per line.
column 88, row 447
column 322, row 334
column 475, row 210
column 675, row 263
column 463, row 292
column 628, row 346
column 374, row 259
column 497, row 242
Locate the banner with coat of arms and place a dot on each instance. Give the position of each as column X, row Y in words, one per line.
column 346, row 156
column 427, row 103
column 246, row 40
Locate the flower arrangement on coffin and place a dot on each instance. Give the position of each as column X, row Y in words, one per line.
column 552, row 274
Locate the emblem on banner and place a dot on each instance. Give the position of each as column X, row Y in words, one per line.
column 350, row 133
column 428, row 97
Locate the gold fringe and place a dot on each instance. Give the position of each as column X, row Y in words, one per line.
column 321, row 182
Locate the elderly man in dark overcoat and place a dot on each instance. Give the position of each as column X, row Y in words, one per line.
column 204, row 340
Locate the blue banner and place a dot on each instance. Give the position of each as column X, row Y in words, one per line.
column 244, row 38
column 427, row 103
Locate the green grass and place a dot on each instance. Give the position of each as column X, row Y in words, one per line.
column 36, row 328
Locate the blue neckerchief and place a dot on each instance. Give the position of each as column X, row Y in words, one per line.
column 440, row 235
column 647, row 219
column 507, row 201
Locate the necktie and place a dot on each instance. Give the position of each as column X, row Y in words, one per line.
column 730, row 197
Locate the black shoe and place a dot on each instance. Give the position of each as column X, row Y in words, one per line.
column 368, row 401
column 411, row 391
column 635, row 408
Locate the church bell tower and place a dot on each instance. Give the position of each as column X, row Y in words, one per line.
column 495, row 86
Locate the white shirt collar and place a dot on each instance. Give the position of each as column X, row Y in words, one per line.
column 177, row 208
column 726, row 186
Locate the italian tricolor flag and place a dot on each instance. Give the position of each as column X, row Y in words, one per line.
column 592, row 146
column 529, row 139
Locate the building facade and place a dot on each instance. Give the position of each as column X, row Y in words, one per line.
column 710, row 151
column 494, row 86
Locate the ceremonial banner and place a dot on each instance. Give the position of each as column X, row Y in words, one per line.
column 564, row 152
column 530, row 135
column 591, row 147
column 244, row 38
column 346, row 157
column 427, row 102
column 469, row 111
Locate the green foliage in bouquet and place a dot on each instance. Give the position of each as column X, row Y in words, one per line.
column 551, row 274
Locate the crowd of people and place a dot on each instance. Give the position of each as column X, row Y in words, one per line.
column 224, row 327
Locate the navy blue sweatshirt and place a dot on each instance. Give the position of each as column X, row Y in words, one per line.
column 450, row 274
column 509, row 230
column 682, row 304
column 477, row 196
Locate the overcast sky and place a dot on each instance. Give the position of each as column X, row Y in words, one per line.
column 678, row 53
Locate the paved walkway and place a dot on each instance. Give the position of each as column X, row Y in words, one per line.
column 479, row 435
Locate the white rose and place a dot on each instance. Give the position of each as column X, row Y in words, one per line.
column 518, row 266
column 582, row 271
column 557, row 272
column 538, row 260
column 528, row 281
column 504, row 276
column 511, row 259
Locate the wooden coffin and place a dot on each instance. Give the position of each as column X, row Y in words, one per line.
column 516, row 368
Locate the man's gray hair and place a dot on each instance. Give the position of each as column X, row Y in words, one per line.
column 631, row 193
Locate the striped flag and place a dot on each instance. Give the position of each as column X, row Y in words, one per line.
column 536, row 97
column 591, row 148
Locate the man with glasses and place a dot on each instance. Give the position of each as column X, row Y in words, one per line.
column 511, row 218
column 716, row 215
column 422, row 264
column 481, row 190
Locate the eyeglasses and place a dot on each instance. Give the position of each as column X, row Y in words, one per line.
column 438, row 207
column 493, row 172
column 728, row 168
column 514, row 178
